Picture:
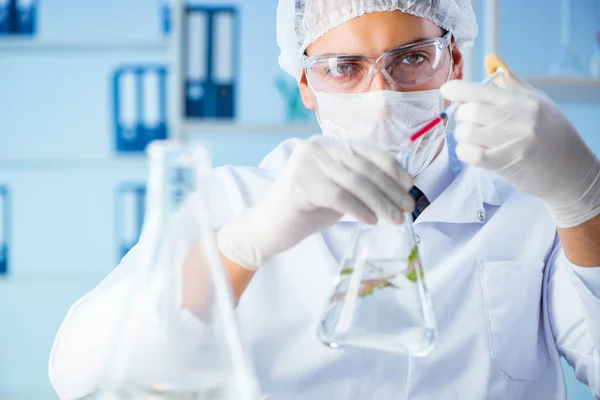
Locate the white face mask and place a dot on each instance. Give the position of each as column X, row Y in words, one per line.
column 385, row 119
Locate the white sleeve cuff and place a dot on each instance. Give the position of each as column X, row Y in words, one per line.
column 589, row 277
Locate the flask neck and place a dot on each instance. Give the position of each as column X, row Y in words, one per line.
column 175, row 172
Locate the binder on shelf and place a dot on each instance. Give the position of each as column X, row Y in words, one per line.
column 140, row 110
column 4, row 228
column 131, row 198
column 196, row 80
column 211, row 44
column 153, row 95
column 223, row 62
column 18, row 17
column 165, row 11
column 26, row 16
column 5, row 13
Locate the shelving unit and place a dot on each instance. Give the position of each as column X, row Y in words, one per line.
column 572, row 90
column 28, row 45
column 122, row 162
column 181, row 125
column 191, row 127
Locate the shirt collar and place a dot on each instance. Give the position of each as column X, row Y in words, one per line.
column 467, row 198
column 432, row 181
column 459, row 191
column 437, row 176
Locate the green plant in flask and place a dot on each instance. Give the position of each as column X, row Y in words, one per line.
column 379, row 299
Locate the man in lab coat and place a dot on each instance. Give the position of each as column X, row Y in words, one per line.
column 510, row 235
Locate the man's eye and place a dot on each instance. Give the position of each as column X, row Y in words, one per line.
column 413, row 59
column 341, row 69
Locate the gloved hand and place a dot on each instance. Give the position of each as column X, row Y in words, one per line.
column 517, row 132
column 323, row 180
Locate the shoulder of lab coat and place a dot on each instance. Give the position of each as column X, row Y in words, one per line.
column 278, row 158
column 242, row 187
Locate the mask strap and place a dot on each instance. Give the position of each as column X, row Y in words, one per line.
column 451, row 65
column 310, row 86
column 316, row 99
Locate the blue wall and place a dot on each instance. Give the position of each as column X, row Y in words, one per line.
column 56, row 148
column 530, row 43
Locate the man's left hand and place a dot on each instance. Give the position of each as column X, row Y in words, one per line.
column 517, row 132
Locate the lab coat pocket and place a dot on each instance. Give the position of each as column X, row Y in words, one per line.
column 512, row 293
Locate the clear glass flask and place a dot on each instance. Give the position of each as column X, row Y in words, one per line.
column 178, row 337
column 379, row 299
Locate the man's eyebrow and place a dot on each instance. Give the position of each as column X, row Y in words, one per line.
column 418, row 39
column 412, row 41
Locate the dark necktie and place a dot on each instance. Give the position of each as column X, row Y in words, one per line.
column 421, row 202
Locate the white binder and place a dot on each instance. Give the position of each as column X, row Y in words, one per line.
column 197, row 51
column 128, row 103
column 151, row 99
column 223, row 47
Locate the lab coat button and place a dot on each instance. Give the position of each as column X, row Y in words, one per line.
column 481, row 215
column 418, row 239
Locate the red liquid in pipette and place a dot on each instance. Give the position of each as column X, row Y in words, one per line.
column 443, row 117
column 426, row 128
column 432, row 124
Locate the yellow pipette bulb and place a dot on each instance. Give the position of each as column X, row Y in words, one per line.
column 493, row 63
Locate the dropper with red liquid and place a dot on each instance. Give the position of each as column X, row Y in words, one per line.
column 450, row 110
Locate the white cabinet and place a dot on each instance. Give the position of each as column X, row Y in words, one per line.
column 63, row 242
column 31, row 312
column 64, row 220
column 60, row 104
column 106, row 20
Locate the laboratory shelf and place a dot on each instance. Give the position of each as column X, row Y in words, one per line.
column 190, row 127
column 574, row 90
column 127, row 162
column 29, row 45
column 47, row 277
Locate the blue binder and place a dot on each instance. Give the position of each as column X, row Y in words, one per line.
column 196, row 81
column 131, row 204
column 26, row 16
column 18, row 17
column 4, row 228
column 222, row 71
column 211, row 64
column 5, row 13
column 140, row 110
column 165, row 10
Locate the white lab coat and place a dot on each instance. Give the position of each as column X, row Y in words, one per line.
column 508, row 304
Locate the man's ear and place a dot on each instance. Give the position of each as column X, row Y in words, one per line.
column 458, row 62
column 306, row 92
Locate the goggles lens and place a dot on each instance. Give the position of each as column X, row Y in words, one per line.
column 404, row 68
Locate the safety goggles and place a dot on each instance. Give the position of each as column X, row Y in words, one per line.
column 404, row 68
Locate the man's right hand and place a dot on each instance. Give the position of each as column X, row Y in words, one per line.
column 324, row 179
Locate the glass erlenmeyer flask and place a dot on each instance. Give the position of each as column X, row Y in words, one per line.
column 178, row 337
column 379, row 299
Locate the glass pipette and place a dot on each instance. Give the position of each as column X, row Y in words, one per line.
column 451, row 109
